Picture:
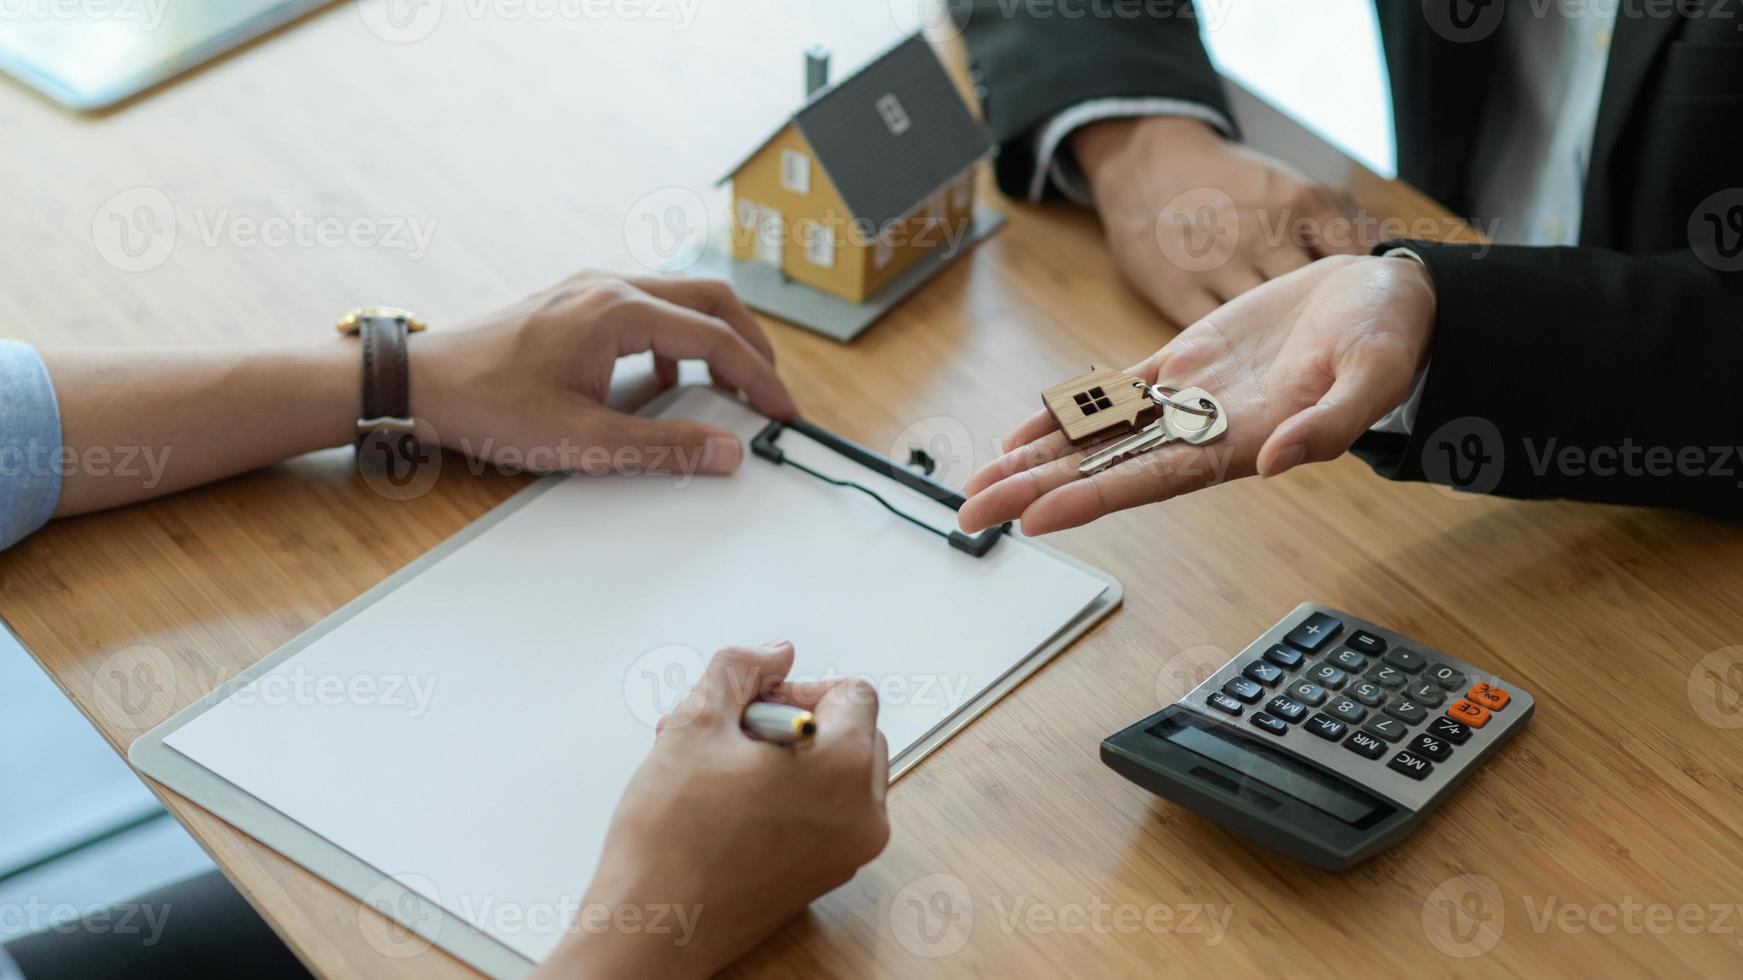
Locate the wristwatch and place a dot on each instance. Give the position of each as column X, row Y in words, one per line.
column 387, row 382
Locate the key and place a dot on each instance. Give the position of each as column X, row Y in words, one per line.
column 1171, row 426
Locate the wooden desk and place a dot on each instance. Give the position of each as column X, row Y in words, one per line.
column 528, row 142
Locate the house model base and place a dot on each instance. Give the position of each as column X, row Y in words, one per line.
column 765, row 289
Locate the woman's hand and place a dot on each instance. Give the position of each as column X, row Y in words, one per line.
column 1303, row 365
column 527, row 386
column 732, row 835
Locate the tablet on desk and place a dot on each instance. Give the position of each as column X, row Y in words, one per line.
column 91, row 56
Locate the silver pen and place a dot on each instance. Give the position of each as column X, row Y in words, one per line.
column 780, row 724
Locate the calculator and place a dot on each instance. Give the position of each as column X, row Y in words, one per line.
column 1328, row 739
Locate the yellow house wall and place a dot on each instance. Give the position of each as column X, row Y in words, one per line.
column 918, row 236
column 759, row 181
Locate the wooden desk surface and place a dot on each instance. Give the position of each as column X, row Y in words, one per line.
column 1602, row 841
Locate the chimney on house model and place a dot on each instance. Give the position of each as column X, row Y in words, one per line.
column 816, row 69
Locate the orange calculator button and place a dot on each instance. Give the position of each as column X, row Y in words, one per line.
column 1473, row 715
column 1489, row 696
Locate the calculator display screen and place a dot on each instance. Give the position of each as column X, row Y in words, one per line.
column 1271, row 770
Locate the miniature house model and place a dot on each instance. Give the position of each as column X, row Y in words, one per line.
column 867, row 177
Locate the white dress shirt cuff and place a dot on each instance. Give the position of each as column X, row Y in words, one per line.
column 1061, row 168
column 1402, row 420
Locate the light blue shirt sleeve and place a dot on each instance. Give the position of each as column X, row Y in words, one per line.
column 30, row 443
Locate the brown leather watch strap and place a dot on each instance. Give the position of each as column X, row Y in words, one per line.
column 387, row 382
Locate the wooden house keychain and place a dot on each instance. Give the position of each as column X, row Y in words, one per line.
column 1106, row 403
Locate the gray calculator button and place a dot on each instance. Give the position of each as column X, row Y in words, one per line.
column 1327, row 676
column 1348, row 659
column 1408, row 661
column 1326, row 727
column 1307, row 693
column 1390, row 678
column 1414, row 766
column 1222, row 702
column 1286, row 709
column 1314, row 632
column 1369, row 694
column 1263, row 672
column 1428, row 693
column 1364, row 744
column 1284, row 657
column 1390, row 729
column 1367, row 643
column 1406, row 711
column 1273, row 725
column 1447, row 677
column 1456, row 732
column 1243, row 689
column 1431, row 748
column 1346, row 710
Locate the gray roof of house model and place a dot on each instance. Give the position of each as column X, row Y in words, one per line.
column 884, row 171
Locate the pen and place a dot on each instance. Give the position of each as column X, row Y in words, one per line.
column 781, row 724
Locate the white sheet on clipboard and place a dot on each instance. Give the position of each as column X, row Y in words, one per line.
column 470, row 732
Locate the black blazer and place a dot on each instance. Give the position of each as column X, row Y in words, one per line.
column 1610, row 371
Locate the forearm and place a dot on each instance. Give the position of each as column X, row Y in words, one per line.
column 136, row 425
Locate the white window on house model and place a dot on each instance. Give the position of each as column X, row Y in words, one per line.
column 795, row 171
column 747, row 216
column 882, row 251
column 820, row 246
column 894, row 116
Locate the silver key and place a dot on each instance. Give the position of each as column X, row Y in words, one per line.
column 1172, row 425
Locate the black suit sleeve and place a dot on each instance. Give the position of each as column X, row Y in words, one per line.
column 1032, row 62
column 1581, row 373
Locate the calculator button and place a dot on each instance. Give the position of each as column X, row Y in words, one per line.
column 1307, row 693
column 1390, row 678
column 1473, row 715
column 1408, row 661
column 1390, row 729
column 1222, row 702
column 1364, row 744
column 1262, row 672
column 1367, row 643
column 1348, row 659
column 1489, row 696
column 1446, row 677
column 1456, row 732
column 1327, row 676
column 1410, row 764
column 1286, row 709
column 1431, row 748
column 1369, row 694
column 1347, row 710
column 1326, row 727
column 1427, row 692
column 1313, row 632
column 1243, row 689
column 1406, row 711
column 1273, row 725
column 1284, row 657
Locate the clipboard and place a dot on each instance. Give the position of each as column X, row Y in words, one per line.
column 423, row 922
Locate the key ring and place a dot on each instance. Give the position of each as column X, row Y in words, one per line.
column 1160, row 395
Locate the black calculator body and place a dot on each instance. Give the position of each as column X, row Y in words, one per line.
column 1328, row 739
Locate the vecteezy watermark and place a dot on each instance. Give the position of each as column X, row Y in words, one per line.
column 134, row 688
column 148, row 14
column 1466, row 916
column 409, row 21
column 1633, row 459
column 1186, row 669
column 1463, row 916
column 938, row 447
column 934, row 916
column 1199, row 230
column 1716, row 688
column 1716, row 230
column 946, row 19
column 667, row 230
column 138, row 229
column 32, row 914
column 1465, row 455
column 681, row 463
column 1463, row 21
column 145, row 464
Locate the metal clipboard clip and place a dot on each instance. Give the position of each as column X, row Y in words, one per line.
column 976, row 545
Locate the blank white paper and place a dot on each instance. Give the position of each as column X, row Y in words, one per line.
column 470, row 732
